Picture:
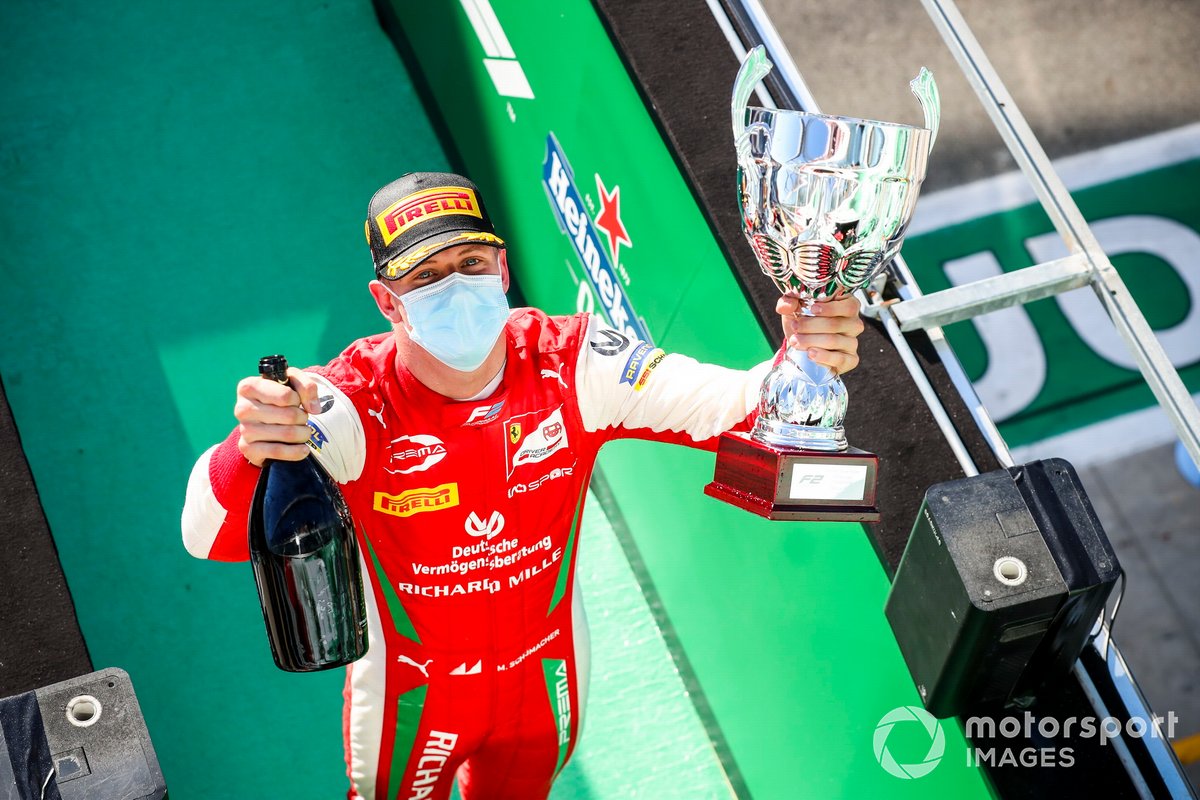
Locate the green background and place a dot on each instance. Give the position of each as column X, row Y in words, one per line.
column 183, row 190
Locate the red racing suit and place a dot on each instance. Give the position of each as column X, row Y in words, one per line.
column 468, row 514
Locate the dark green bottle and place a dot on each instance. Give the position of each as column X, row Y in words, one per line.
column 306, row 562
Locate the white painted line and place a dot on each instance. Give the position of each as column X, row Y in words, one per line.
column 489, row 19
column 486, row 25
column 1105, row 441
column 481, row 29
column 1013, row 190
column 509, row 78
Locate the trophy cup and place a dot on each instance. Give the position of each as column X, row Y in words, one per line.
column 825, row 203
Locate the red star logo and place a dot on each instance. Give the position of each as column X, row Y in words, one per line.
column 609, row 220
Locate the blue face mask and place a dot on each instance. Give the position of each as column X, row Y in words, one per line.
column 458, row 319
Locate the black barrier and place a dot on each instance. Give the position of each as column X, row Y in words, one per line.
column 79, row 739
column 41, row 641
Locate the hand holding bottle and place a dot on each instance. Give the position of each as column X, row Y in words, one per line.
column 273, row 417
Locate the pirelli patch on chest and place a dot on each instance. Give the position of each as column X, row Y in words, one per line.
column 417, row 501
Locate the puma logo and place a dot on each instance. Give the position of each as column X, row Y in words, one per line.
column 378, row 414
column 549, row 373
column 411, row 663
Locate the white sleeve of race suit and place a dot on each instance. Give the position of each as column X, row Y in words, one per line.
column 203, row 514
column 629, row 383
column 338, row 441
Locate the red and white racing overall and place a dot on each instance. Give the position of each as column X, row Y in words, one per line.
column 468, row 514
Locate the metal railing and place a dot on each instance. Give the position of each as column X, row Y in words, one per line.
column 1087, row 264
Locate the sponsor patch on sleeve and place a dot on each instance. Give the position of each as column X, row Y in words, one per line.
column 318, row 439
column 635, row 363
column 609, row 342
column 652, row 361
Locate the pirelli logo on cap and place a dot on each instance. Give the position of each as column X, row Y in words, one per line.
column 425, row 205
column 417, row 501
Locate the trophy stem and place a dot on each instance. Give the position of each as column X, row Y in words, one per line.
column 802, row 405
column 818, row 374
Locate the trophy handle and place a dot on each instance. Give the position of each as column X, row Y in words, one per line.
column 754, row 68
column 926, row 90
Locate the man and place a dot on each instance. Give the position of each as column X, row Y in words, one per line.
column 463, row 441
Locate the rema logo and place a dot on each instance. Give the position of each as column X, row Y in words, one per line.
column 567, row 204
column 555, row 671
column 909, row 714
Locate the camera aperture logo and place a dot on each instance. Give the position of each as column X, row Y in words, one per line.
column 909, row 715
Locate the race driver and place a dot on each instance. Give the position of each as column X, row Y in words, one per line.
column 463, row 440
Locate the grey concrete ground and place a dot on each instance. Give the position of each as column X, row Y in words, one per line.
column 1085, row 73
column 1152, row 517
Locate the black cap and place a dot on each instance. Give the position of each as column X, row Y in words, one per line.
column 420, row 214
column 273, row 368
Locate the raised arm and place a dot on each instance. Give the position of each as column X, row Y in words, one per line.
column 636, row 390
column 631, row 389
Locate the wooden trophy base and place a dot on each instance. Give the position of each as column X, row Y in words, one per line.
column 780, row 483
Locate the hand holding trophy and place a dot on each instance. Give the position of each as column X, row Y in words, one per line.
column 825, row 203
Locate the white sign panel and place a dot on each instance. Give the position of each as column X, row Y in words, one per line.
column 828, row 481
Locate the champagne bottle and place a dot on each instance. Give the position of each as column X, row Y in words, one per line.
column 306, row 563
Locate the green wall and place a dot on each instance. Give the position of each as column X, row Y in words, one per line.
column 173, row 207
column 183, row 190
column 1147, row 218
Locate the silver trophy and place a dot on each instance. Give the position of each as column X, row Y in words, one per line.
column 825, row 203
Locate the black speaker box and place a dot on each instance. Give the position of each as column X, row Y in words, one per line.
column 1000, row 584
column 81, row 739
